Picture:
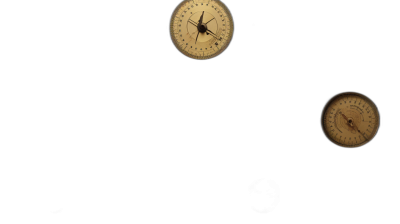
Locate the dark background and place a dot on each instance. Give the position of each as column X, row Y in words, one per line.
column 255, row 110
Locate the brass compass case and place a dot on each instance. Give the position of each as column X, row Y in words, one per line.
column 350, row 120
column 201, row 29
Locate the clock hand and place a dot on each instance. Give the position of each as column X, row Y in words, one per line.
column 215, row 36
column 358, row 130
column 211, row 32
column 201, row 19
column 193, row 23
column 363, row 135
column 197, row 25
column 354, row 126
column 200, row 26
column 210, row 20
column 347, row 120
column 197, row 37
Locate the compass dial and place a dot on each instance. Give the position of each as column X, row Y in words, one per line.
column 350, row 120
column 201, row 29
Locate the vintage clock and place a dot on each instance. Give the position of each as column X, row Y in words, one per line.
column 201, row 29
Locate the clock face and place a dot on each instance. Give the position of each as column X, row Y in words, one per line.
column 350, row 120
column 201, row 29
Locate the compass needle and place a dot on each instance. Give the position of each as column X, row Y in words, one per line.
column 345, row 120
column 201, row 19
column 210, row 20
column 197, row 37
column 201, row 30
column 193, row 23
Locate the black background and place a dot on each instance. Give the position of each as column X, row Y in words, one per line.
column 255, row 110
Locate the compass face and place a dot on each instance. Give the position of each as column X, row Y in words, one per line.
column 350, row 120
column 201, row 29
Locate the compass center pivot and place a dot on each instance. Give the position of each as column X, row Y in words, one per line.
column 202, row 28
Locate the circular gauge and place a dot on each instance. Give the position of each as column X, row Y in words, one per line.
column 201, row 29
column 350, row 120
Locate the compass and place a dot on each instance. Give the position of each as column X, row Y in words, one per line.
column 350, row 119
column 201, row 29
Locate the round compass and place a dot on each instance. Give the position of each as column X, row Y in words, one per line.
column 350, row 120
column 201, row 29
